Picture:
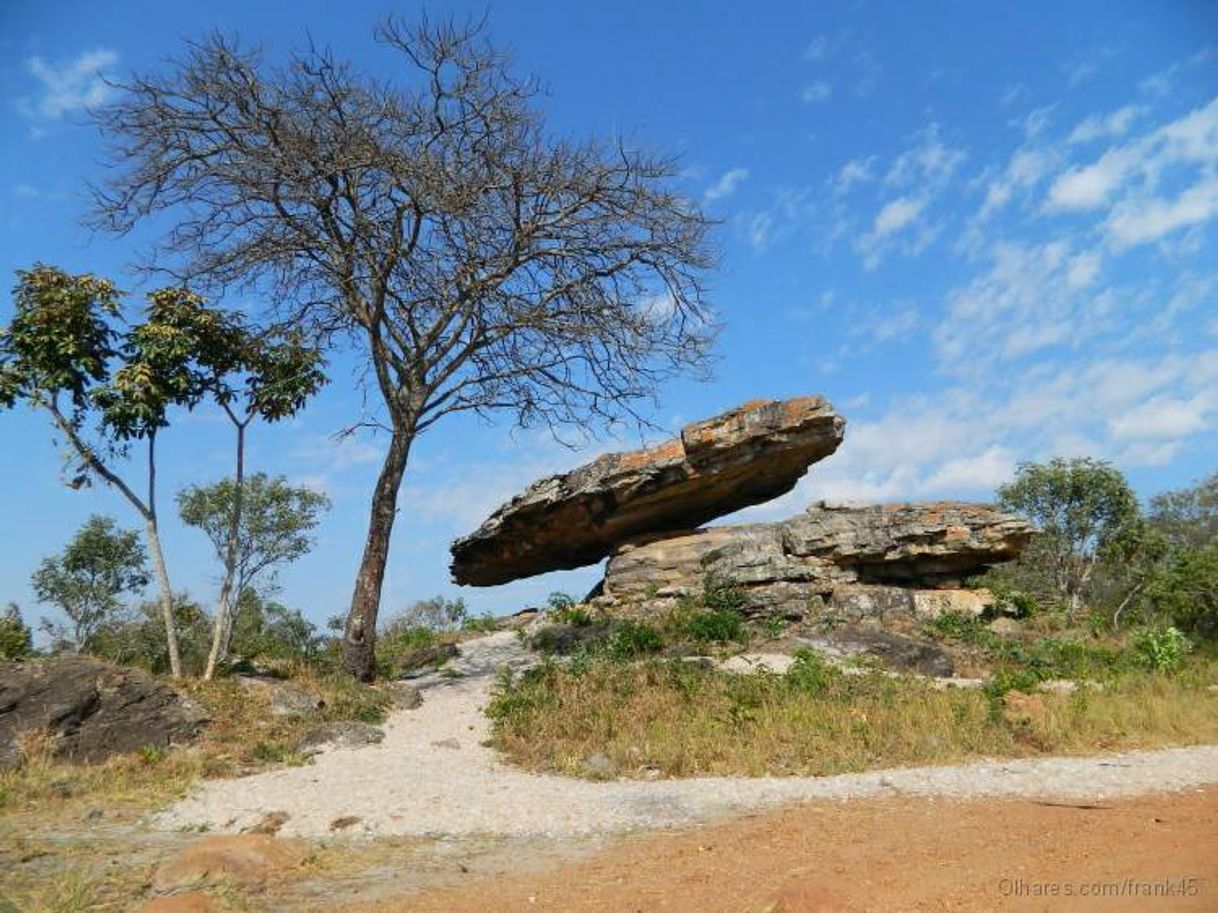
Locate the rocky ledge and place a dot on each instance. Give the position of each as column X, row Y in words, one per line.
column 746, row 456
column 853, row 562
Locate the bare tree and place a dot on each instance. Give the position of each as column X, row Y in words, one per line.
column 476, row 262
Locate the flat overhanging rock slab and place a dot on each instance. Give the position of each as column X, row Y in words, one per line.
column 747, row 456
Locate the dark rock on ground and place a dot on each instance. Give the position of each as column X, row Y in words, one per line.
column 743, row 457
column 426, row 658
column 342, row 734
column 897, row 652
column 91, row 709
column 403, row 696
column 283, row 698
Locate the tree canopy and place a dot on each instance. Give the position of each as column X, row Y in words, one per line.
column 475, row 261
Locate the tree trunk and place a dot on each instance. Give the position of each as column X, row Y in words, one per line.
column 220, row 626
column 165, row 595
column 359, row 638
column 158, row 566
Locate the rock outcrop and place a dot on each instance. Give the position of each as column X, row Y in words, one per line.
column 743, row 457
column 854, row 562
column 90, row 709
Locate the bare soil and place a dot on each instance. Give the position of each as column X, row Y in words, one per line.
column 902, row 855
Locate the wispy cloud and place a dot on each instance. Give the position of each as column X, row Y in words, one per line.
column 725, row 186
column 70, row 86
column 817, row 92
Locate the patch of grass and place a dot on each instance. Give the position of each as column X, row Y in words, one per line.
column 816, row 720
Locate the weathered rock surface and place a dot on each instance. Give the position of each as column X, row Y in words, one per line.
column 897, row 652
column 853, row 562
column 341, row 734
column 746, row 456
column 241, row 859
column 91, row 709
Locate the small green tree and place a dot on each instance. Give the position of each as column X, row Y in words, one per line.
column 274, row 522
column 266, row 628
column 88, row 580
column 1185, row 590
column 1084, row 509
column 16, row 639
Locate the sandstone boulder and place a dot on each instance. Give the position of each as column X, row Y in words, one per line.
column 852, row 562
column 746, row 456
column 91, row 709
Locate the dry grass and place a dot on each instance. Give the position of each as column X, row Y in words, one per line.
column 688, row 721
column 57, row 852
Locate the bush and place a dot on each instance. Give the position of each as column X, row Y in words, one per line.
column 1162, row 648
column 480, row 624
column 16, row 639
column 718, row 626
column 631, row 639
column 810, row 672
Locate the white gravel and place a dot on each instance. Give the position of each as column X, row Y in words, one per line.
column 417, row 783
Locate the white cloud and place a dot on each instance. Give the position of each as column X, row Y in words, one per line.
column 897, row 215
column 855, row 171
column 1139, row 221
column 73, row 86
column 1162, row 417
column 817, row 92
column 1105, row 126
column 726, row 185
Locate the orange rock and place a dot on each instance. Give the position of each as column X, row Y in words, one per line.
column 246, row 859
column 190, row 902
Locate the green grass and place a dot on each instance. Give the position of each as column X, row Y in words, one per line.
column 816, row 720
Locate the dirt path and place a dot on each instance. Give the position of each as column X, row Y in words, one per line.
column 899, row 855
column 433, row 776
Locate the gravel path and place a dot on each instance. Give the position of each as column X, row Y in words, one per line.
column 432, row 776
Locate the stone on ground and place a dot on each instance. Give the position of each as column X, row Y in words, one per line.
column 240, row 859
column 90, row 709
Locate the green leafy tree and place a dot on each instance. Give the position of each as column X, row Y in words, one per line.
column 87, row 581
column 137, row 638
column 475, row 261
column 1084, row 510
column 103, row 388
column 1185, row 590
column 274, row 522
column 16, row 639
column 1188, row 517
column 249, row 376
column 268, row 629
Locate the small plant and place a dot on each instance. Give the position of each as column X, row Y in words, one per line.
column 718, row 626
column 1162, row 648
column 152, row 754
column 480, row 624
column 631, row 639
column 576, row 615
column 810, row 672
column 960, row 626
column 775, row 626
column 558, row 601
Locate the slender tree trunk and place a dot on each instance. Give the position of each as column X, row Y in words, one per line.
column 220, row 627
column 159, row 568
column 359, row 638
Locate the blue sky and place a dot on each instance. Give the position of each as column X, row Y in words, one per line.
column 986, row 231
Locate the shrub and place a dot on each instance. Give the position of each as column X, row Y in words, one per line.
column 1162, row 648
column 16, row 639
column 719, row 626
column 631, row 639
column 480, row 624
column 810, row 672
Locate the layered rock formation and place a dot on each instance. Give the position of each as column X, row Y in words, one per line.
column 90, row 709
column 746, row 456
column 854, row 562
column 643, row 508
